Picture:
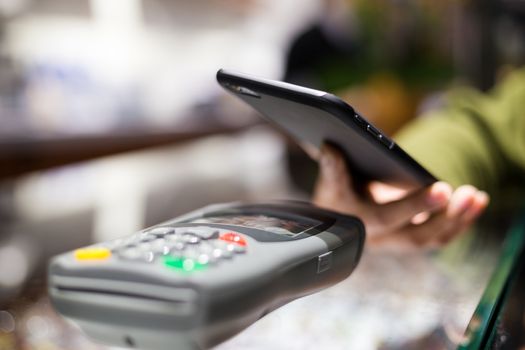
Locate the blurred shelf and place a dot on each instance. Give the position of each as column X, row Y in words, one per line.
column 27, row 153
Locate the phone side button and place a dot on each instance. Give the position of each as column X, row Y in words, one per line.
column 386, row 141
column 360, row 120
column 373, row 131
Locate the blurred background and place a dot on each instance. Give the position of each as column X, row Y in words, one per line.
column 111, row 119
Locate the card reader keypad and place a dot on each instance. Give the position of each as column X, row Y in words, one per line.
column 183, row 248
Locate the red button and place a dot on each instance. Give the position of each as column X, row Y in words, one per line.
column 233, row 238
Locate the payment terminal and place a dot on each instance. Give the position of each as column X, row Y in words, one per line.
column 194, row 281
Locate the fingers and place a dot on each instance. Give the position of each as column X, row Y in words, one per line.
column 471, row 203
column 398, row 213
column 481, row 201
column 333, row 189
column 413, row 237
column 465, row 205
column 428, row 218
column 461, row 201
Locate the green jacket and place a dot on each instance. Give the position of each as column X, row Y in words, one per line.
column 476, row 139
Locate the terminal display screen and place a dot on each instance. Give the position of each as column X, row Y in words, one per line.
column 280, row 226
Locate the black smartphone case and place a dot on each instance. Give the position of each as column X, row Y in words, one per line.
column 314, row 117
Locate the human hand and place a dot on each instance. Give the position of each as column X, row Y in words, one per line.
column 393, row 217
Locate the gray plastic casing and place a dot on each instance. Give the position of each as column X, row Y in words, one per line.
column 149, row 306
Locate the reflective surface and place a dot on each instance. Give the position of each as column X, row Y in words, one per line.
column 485, row 328
column 417, row 301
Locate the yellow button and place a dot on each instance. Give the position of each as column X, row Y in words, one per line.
column 92, row 254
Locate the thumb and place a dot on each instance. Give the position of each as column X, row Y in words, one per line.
column 333, row 188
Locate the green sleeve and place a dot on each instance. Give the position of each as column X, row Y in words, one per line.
column 476, row 139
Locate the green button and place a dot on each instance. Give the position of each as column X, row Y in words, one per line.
column 183, row 264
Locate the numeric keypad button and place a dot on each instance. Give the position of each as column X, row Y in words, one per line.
column 135, row 254
column 161, row 231
column 190, row 239
column 227, row 249
column 157, row 247
column 203, row 245
column 176, row 246
column 148, row 238
column 203, row 232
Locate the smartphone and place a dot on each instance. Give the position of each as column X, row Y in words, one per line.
column 313, row 117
